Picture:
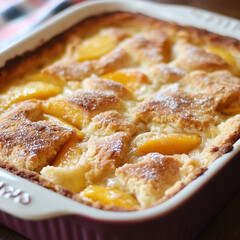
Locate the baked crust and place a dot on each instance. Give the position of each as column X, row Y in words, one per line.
column 106, row 85
column 178, row 85
column 150, row 178
column 195, row 58
column 174, row 106
column 27, row 141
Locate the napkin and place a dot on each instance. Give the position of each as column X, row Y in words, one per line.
column 19, row 17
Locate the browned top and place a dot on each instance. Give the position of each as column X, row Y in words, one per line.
column 221, row 84
column 110, row 122
column 166, row 73
column 153, row 168
column 193, row 57
column 92, row 102
column 26, row 140
column 105, row 155
column 106, row 85
column 151, row 48
column 177, row 107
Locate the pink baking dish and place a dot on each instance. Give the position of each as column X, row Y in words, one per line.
column 38, row 213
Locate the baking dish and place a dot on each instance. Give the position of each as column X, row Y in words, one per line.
column 25, row 211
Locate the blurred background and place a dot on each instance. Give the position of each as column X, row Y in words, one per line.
column 227, row 7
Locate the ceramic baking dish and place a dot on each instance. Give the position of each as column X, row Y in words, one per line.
column 39, row 213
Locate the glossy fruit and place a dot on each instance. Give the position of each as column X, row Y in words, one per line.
column 222, row 53
column 29, row 90
column 111, row 196
column 64, row 110
column 95, row 47
column 168, row 144
column 69, row 155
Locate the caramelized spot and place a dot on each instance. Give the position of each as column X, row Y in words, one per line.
column 60, row 121
column 92, row 102
column 71, row 70
column 112, row 61
column 78, row 108
column 154, row 167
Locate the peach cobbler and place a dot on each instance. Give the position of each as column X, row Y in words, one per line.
column 121, row 111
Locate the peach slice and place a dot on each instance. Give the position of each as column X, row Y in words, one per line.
column 223, row 54
column 167, row 144
column 129, row 78
column 61, row 108
column 37, row 89
column 69, row 154
column 111, row 196
column 95, row 47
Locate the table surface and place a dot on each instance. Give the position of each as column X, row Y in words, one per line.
column 226, row 225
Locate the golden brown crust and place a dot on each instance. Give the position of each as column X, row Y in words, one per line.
column 105, row 155
column 193, row 58
column 178, row 108
column 71, row 70
column 151, row 48
column 106, row 85
column 27, row 141
column 230, row 133
column 166, row 73
column 107, row 123
column 221, row 84
column 112, row 61
column 91, row 102
column 150, row 178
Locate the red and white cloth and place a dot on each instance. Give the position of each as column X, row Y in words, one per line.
column 19, row 17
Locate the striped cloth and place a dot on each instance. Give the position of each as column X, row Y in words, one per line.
column 18, row 17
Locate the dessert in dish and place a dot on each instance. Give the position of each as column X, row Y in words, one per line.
column 121, row 111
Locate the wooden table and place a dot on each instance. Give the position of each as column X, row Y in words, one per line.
column 226, row 225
